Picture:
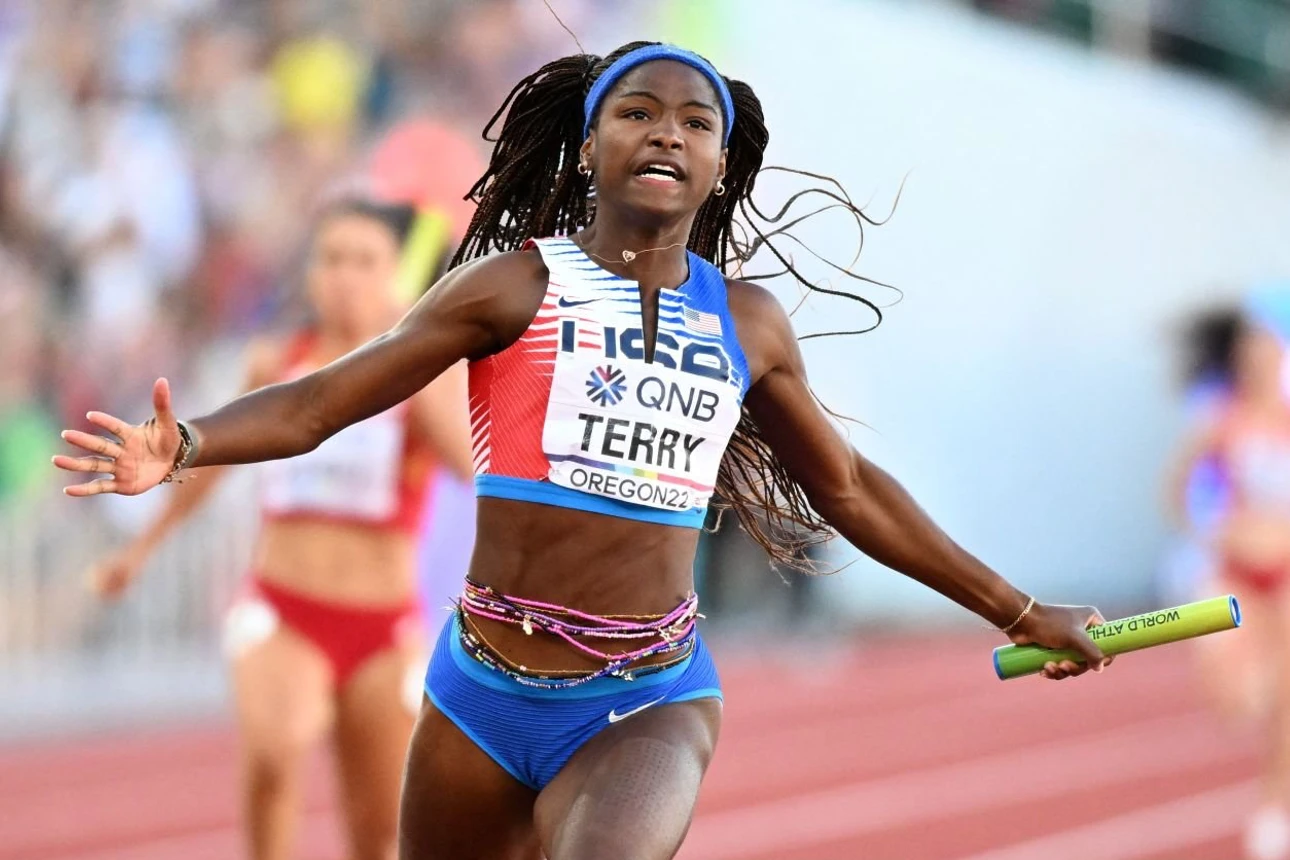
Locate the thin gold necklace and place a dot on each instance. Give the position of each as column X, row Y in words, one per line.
column 628, row 256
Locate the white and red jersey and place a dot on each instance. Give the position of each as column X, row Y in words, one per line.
column 572, row 414
column 1254, row 455
column 375, row 473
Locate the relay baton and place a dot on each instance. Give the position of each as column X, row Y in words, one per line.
column 1127, row 634
column 428, row 240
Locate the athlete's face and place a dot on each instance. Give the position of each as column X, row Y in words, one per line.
column 351, row 274
column 656, row 145
column 1260, row 358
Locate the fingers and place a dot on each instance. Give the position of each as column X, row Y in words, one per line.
column 161, row 401
column 1090, row 652
column 1073, row 621
column 1068, row 669
column 1085, row 645
column 115, row 426
column 93, row 443
column 98, row 465
column 105, row 465
column 1056, row 671
column 93, row 488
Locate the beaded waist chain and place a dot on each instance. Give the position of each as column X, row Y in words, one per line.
column 669, row 633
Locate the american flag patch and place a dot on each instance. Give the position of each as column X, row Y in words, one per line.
column 703, row 323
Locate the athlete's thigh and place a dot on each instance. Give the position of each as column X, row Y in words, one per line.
column 374, row 718
column 282, row 686
column 459, row 804
column 629, row 792
column 1239, row 672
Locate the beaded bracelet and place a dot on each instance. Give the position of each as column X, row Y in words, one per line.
column 185, row 455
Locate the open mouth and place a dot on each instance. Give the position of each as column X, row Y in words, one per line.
column 660, row 173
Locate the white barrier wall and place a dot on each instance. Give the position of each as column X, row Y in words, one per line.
column 1063, row 209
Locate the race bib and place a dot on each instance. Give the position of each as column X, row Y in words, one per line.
column 649, row 434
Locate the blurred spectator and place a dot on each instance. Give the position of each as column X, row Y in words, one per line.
column 27, row 431
column 159, row 158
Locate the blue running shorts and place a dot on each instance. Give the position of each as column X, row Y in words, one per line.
column 532, row 732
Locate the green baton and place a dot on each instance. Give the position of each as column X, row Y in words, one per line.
column 1128, row 634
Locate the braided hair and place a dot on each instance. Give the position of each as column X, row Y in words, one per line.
column 532, row 188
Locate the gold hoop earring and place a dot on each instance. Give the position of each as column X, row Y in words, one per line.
column 584, row 168
column 720, row 189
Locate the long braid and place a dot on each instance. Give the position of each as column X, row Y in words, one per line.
column 532, row 188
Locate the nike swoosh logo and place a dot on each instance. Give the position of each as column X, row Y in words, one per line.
column 615, row 717
column 573, row 303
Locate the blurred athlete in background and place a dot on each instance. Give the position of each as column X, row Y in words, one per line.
column 1245, row 444
column 327, row 633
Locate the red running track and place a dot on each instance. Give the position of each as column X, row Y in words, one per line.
column 891, row 750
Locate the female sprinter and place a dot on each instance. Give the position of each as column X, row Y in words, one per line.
column 1249, row 440
column 616, row 379
column 1197, row 500
column 328, row 627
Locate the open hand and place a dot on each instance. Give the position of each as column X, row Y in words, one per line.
column 138, row 462
column 1063, row 627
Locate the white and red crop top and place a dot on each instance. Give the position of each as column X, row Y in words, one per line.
column 572, row 414
column 374, row 473
column 1254, row 454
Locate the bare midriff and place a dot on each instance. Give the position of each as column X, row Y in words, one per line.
column 1257, row 539
column 338, row 562
column 589, row 562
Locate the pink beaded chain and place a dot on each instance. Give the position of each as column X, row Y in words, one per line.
column 673, row 631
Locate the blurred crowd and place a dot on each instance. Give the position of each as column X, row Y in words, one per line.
column 160, row 159
column 1241, row 42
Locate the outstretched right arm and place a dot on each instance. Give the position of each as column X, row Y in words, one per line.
column 476, row 310
column 448, row 324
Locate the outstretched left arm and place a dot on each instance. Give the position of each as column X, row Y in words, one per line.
column 868, row 507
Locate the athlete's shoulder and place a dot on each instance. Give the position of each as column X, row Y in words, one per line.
column 755, row 307
column 1239, row 419
column 745, row 296
column 765, row 331
column 498, row 294
column 499, row 271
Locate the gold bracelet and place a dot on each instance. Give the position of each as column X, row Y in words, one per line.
column 1030, row 604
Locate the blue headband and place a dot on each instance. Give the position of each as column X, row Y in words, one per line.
column 632, row 59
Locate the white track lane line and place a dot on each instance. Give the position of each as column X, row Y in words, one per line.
column 1152, row 747
column 222, row 843
column 1169, row 826
column 1156, row 747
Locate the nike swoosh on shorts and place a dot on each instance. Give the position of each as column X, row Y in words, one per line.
column 615, row 717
